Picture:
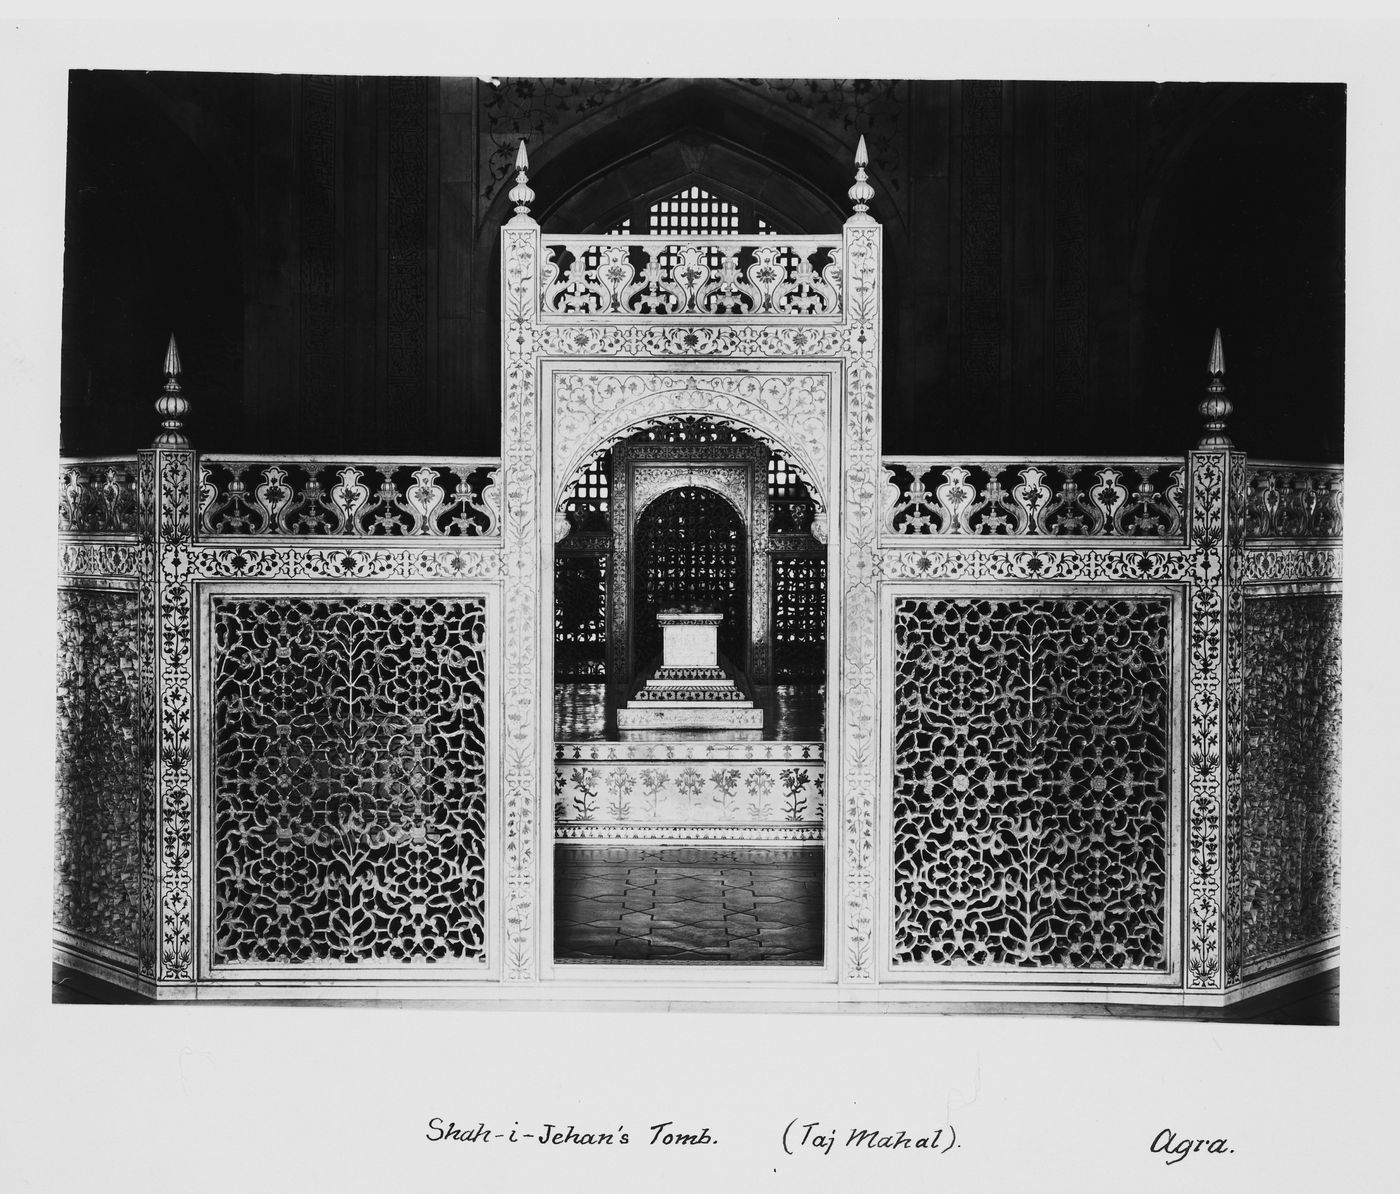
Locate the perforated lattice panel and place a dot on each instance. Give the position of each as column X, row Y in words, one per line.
column 799, row 619
column 1292, row 774
column 97, row 822
column 690, row 548
column 1031, row 782
column 580, row 617
column 349, row 780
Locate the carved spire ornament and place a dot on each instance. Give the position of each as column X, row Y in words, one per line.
column 172, row 405
column 1215, row 408
column 862, row 192
column 521, row 194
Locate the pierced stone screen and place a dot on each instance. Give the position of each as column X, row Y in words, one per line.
column 1292, row 773
column 1031, row 782
column 349, row 785
column 97, row 827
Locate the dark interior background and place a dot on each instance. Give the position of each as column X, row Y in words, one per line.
column 1057, row 253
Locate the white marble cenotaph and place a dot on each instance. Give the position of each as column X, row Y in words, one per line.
column 691, row 689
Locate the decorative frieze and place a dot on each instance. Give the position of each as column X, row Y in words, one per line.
column 1294, row 501
column 716, row 793
column 1014, row 498
column 364, row 499
column 343, row 563
column 1002, row 563
column 655, row 276
column 92, row 562
column 1264, row 564
column 765, row 341
column 97, row 497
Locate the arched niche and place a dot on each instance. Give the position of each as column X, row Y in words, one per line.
column 690, row 545
column 645, row 472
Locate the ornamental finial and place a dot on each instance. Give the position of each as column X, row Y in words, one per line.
column 862, row 192
column 1215, row 408
column 172, row 405
column 521, row 194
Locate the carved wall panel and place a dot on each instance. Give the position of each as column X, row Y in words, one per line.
column 1032, row 785
column 97, row 824
column 349, row 780
column 1292, row 775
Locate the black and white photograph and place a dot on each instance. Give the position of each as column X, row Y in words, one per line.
column 734, row 624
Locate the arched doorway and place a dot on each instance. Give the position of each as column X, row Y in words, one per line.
column 689, row 845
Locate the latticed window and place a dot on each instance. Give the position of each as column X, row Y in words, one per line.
column 580, row 618
column 694, row 211
column 589, row 505
column 789, row 503
column 799, row 619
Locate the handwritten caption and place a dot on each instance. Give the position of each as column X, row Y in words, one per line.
column 798, row 1138
column 664, row 1134
column 1177, row 1148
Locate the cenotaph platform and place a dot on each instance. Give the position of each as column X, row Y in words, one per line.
column 691, row 689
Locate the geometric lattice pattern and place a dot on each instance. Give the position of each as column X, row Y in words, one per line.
column 799, row 619
column 349, row 786
column 580, row 616
column 1031, row 782
column 1292, row 775
column 96, row 842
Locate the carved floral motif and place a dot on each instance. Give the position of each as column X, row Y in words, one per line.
column 1031, row 783
column 789, row 412
column 651, row 276
column 1294, row 501
column 349, row 780
column 859, row 648
column 524, row 718
column 366, row 499
column 97, row 497
column 662, row 794
column 1003, row 498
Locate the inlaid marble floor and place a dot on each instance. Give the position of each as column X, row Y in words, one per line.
column 688, row 904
